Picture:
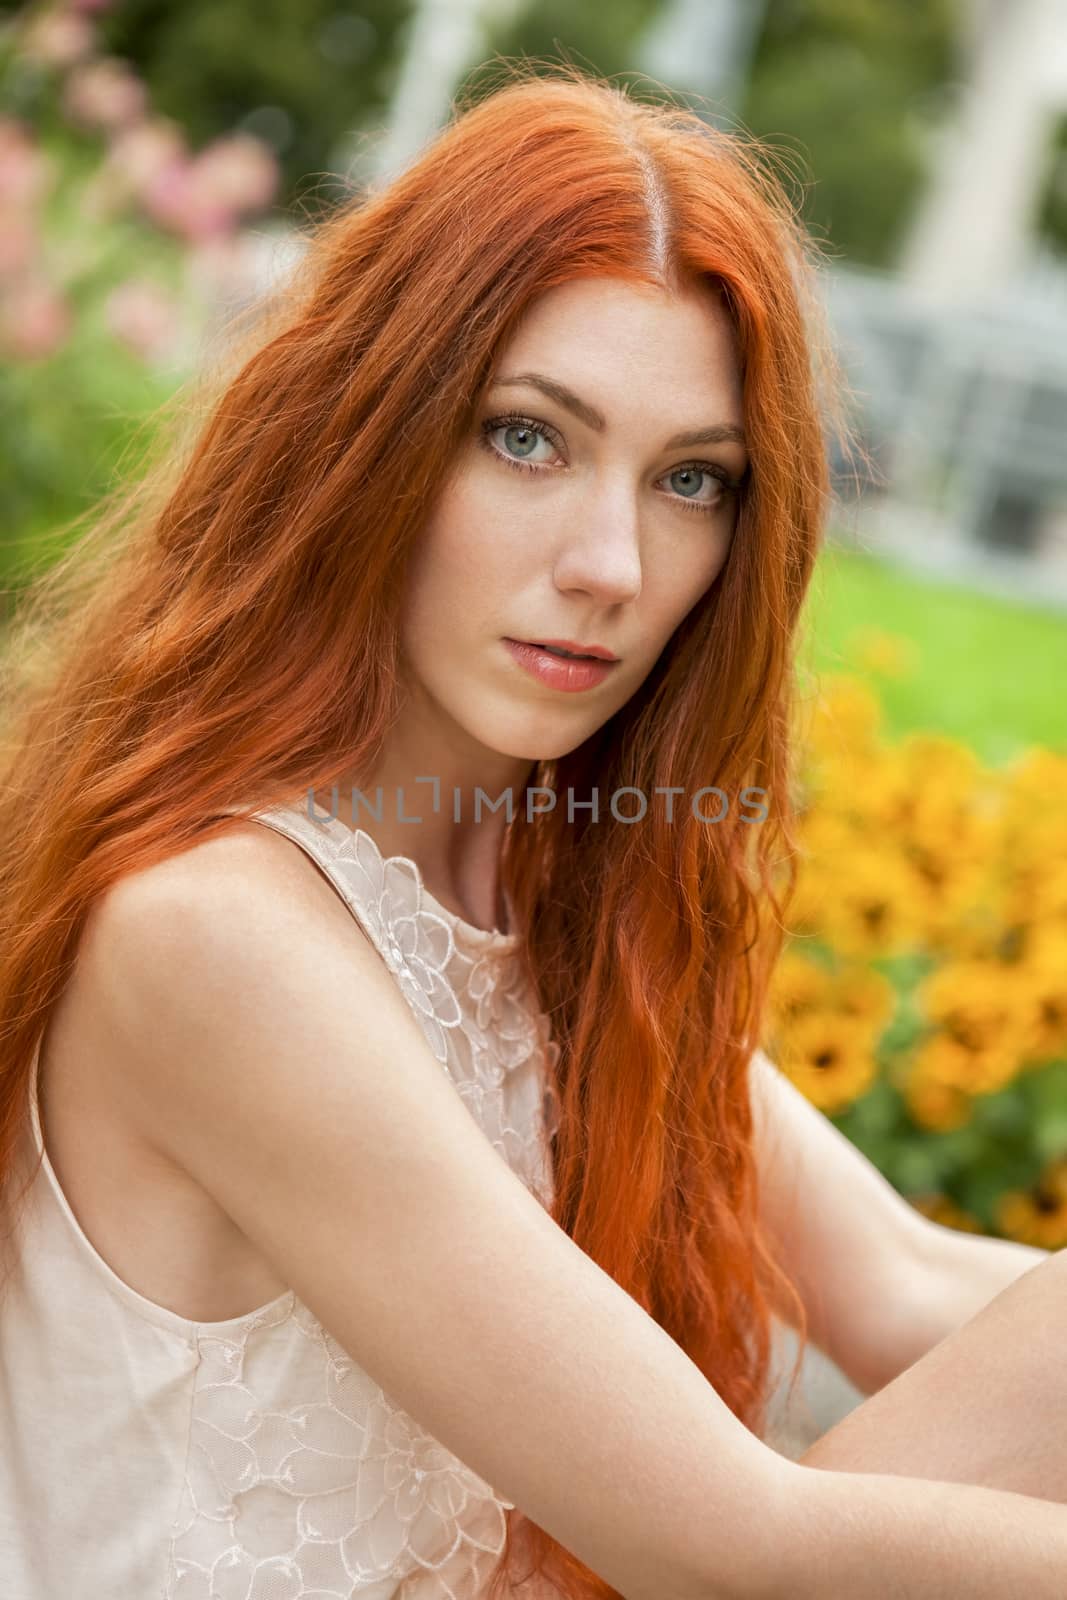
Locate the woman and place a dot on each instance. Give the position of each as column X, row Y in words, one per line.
column 279, row 1319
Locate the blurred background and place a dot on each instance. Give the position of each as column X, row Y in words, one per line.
column 158, row 164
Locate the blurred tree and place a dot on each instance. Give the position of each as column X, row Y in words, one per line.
column 301, row 77
column 858, row 85
column 1052, row 208
column 601, row 38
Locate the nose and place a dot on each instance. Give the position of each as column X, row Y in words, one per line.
column 600, row 554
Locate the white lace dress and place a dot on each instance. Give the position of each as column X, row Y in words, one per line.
column 143, row 1454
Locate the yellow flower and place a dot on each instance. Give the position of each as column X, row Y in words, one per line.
column 1038, row 1215
column 861, row 992
column 978, row 932
column 935, row 759
column 1039, row 776
column 828, row 1057
column 845, row 717
column 947, row 815
column 987, row 1020
column 933, row 1101
column 1038, row 892
column 1033, row 795
column 888, row 793
column 943, row 1058
column 824, row 842
column 888, row 654
column 797, row 986
column 1044, row 976
column 824, row 836
column 870, row 905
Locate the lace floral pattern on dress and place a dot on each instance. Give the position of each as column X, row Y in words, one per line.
column 305, row 1481
column 341, row 1494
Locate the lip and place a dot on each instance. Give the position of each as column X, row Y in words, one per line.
column 570, row 676
column 575, row 648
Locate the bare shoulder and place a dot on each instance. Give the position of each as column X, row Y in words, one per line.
column 267, row 872
column 183, row 957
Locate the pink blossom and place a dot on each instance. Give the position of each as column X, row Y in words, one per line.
column 143, row 317
column 223, row 268
column 34, row 320
column 173, row 199
column 104, row 94
column 146, row 162
column 25, row 171
column 58, row 38
column 140, row 153
column 239, row 172
column 89, row 5
column 201, row 199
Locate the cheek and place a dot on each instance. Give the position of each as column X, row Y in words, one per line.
column 448, row 571
column 436, row 565
column 474, row 546
column 685, row 578
column 720, row 540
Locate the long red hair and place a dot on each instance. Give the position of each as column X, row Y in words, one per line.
column 225, row 633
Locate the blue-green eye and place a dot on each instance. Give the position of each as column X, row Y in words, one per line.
column 525, row 435
column 688, row 492
column 695, row 474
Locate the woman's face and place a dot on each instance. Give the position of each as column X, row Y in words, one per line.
column 573, row 512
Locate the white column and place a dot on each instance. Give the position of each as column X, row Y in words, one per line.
column 702, row 45
column 445, row 39
column 970, row 234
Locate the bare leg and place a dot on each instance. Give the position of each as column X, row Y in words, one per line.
column 987, row 1405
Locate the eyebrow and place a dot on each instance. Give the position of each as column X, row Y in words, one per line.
column 718, row 433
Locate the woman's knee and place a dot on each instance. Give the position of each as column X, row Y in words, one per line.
column 987, row 1405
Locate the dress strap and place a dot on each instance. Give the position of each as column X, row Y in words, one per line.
column 385, row 896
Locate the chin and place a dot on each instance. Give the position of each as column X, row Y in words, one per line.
column 519, row 737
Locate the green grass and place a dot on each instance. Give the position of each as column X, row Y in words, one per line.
column 990, row 672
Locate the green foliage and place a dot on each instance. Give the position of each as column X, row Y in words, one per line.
column 856, row 85
column 1011, row 1137
column 599, row 38
column 325, row 65
column 69, row 420
column 989, row 671
column 1051, row 221
column 72, row 424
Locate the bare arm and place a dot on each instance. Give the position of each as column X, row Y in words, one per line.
column 881, row 1283
column 960, row 1273
column 854, row 1247
column 298, row 1091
